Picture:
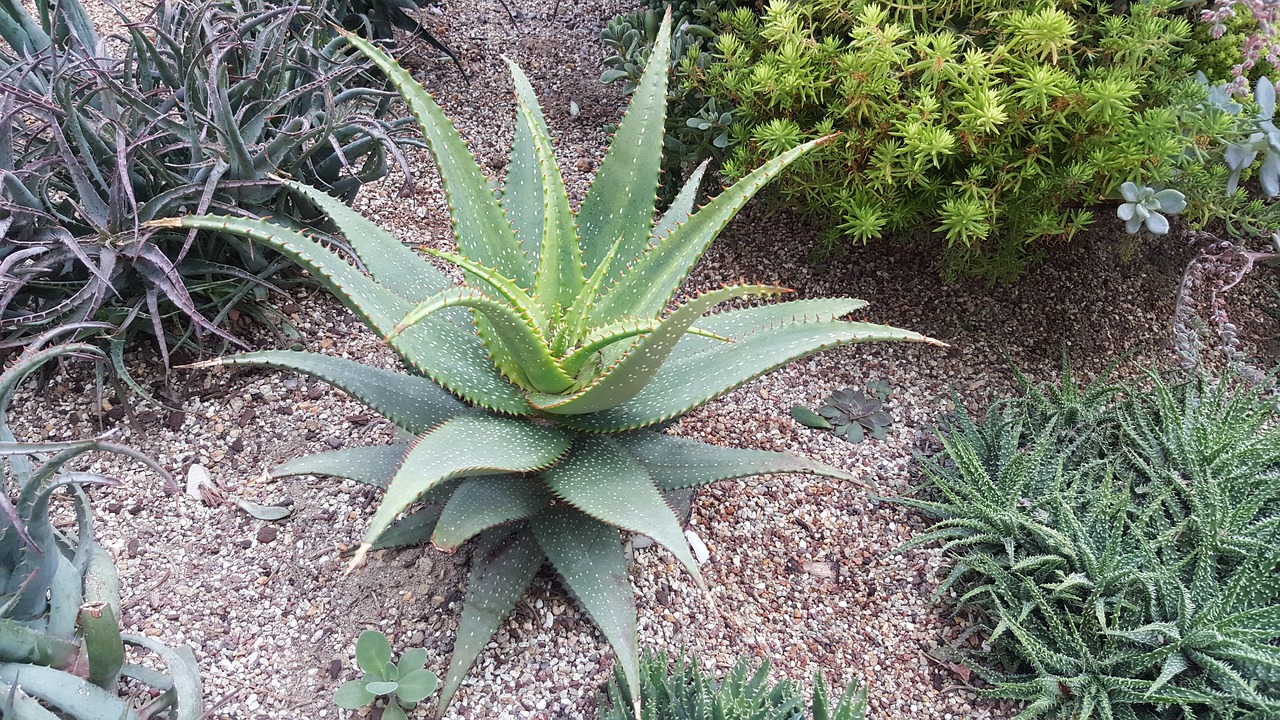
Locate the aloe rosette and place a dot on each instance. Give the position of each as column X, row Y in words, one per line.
column 533, row 387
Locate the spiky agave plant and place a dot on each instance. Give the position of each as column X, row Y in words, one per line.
column 560, row 352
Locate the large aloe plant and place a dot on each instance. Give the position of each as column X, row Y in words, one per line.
column 559, row 354
column 61, row 650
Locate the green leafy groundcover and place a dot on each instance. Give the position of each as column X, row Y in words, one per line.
column 1123, row 545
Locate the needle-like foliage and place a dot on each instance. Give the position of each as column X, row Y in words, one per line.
column 1124, row 546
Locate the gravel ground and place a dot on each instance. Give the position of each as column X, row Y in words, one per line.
column 802, row 569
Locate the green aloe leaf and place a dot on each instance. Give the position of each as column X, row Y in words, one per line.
column 502, row 567
column 416, row 527
column 482, row 502
column 483, row 232
column 600, row 478
column 683, row 204
column 559, row 280
column 688, row 380
column 676, row 463
column 451, row 355
column 648, row 285
column 373, row 465
column 465, row 446
column 629, row 376
column 522, row 191
column 391, row 263
column 589, row 558
column 620, row 200
column 414, row 404
column 20, row 706
column 20, row 644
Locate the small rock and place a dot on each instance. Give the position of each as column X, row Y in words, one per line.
column 267, row 533
column 335, row 669
column 333, row 441
column 175, row 420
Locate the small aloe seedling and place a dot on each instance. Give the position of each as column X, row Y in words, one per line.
column 403, row 684
column 851, row 413
column 536, row 388
column 1143, row 206
column 1265, row 140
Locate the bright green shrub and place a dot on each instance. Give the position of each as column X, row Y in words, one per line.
column 1123, row 546
column 993, row 125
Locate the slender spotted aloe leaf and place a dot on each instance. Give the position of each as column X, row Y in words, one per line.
column 621, row 199
column 676, row 463
column 502, row 567
column 682, row 206
column 483, row 232
column 522, row 191
column 373, row 465
column 482, row 502
column 628, row 376
column 453, row 356
column 588, row 556
column 574, row 326
column 414, row 404
column 465, row 446
column 391, row 263
column 559, row 278
column 688, row 380
column 648, row 285
column 603, row 480
column 516, row 330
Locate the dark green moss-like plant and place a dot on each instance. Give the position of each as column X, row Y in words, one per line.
column 62, row 654
column 682, row 691
column 534, row 387
column 1122, row 544
column 995, row 125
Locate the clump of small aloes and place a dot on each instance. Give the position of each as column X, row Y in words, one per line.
column 536, row 390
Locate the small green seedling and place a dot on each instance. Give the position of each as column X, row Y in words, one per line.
column 404, row 685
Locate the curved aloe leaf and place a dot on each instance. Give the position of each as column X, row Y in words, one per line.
column 391, row 263
column 620, row 201
column 482, row 502
column 522, row 191
column 676, row 463
column 414, row 404
column 452, row 356
column 604, row 481
column 588, row 556
column 629, row 376
column 502, row 567
column 66, row 692
column 648, row 285
column 21, row 706
column 686, row 382
column 559, row 279
column 483, row 233
column 465, row 446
